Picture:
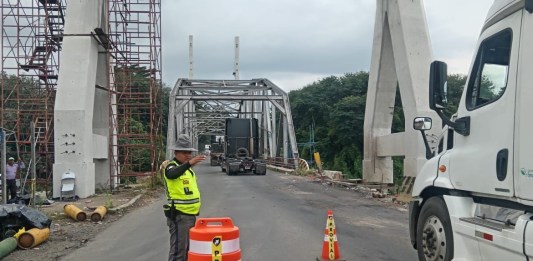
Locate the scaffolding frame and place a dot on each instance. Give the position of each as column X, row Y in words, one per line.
column 135, row 84
column 31, row 40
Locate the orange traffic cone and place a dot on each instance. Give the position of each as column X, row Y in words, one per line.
column 330, row 247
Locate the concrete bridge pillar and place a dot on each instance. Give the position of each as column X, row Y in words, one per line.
column 81, row 109
column 401, row 56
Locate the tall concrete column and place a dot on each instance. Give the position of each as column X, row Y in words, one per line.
column 81, row 113
column 401, row 56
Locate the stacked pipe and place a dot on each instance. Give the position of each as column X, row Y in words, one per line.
column 98, row 213
column 74, row 212
column 7, row 246
column 33, row 237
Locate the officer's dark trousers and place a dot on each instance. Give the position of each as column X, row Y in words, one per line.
column 12, row 188
column 179, row 236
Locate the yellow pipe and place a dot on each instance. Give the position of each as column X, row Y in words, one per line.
column 74, row 212
column 33, row 237
column 98, row 213
column 318, row 162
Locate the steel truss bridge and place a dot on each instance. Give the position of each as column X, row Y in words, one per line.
column 200, row 107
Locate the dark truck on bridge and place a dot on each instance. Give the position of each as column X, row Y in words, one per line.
column 241, row 147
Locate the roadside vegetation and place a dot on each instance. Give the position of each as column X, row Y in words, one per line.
column 329, row 114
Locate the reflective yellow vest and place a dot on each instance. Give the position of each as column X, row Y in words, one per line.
column 183, row 191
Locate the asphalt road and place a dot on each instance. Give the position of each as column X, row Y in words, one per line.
column 280, row 217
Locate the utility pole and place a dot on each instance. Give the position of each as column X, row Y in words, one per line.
column 236, row 65
column 2, row 132
column 190, row 58
column 4, row 153
column 245, row 105
column 33, row 171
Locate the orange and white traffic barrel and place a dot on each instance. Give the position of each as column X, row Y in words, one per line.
column 214, row 239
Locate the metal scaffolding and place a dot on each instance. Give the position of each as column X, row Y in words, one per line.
column 32, row 35
column 135, row 84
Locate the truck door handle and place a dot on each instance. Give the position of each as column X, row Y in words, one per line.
column 501, row 164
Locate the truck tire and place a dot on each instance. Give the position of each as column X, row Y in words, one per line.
column 222, row 167
column 242, row 153
column 228, row 172
column 434, row 236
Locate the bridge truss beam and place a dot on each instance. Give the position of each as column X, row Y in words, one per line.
column 200, row 107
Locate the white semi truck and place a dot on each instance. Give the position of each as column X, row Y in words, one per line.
column 473, row 199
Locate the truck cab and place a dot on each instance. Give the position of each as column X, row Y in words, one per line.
column 241, row 147
column 473, row 199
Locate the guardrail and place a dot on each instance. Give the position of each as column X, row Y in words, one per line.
column 281, row 162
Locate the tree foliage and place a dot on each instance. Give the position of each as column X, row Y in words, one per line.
column 456, row 83
column 335, row 107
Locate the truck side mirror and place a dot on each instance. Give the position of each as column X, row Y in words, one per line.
column 422, row 123
column 438, row 85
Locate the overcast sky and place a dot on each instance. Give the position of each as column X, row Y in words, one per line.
column 296, row 42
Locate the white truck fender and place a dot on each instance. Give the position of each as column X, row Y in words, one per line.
column 430, row 176
column 443, row 179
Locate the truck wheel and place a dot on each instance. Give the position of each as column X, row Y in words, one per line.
column 222, row 167
column 434, row 236
column 228, row 172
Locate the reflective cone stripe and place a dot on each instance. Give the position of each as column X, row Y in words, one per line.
column 205, row 247
column 330, row 248
column 214, row 239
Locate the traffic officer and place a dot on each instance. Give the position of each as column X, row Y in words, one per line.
column 183, row 197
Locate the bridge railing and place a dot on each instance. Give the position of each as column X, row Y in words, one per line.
column 281, row 162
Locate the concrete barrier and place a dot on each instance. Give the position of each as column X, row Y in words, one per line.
column 333, row 174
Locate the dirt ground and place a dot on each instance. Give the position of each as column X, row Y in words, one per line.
column 68, row 234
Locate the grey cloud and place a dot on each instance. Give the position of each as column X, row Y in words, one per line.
column 303, row 37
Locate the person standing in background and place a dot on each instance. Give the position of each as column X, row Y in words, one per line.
column 12, row 170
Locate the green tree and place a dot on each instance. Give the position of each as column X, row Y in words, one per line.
column 456, row 83
column 335, row 106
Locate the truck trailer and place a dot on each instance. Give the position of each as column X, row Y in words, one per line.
column 473, row 198
column 241, row 147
